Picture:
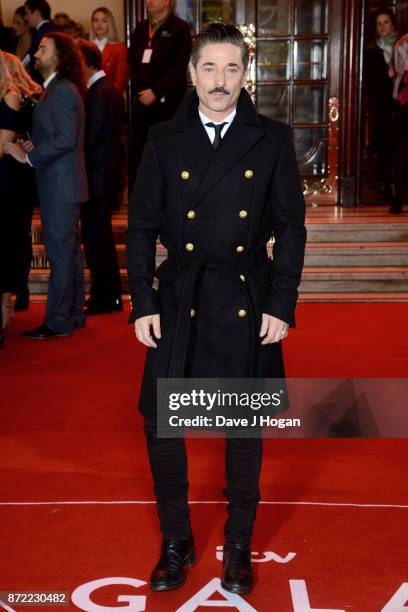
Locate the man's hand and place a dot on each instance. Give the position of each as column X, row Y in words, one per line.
column 147, row 97
column 16, row 150
column 273, row 329
column 142, row 329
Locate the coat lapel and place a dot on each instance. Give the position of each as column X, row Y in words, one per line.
column 192, row 146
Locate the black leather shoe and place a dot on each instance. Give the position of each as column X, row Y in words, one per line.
column 95, row 308
column 238, row 576
column 170, row 573
column 43, row 332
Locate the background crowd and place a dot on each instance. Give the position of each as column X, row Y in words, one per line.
column 62, row 146
column 386, row 88
column 55, row 78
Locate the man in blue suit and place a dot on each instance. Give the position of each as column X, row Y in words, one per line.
column 57, row 155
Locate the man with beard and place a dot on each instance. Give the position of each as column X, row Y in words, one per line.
column 57, row 155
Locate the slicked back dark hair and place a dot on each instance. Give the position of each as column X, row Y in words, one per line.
column 219, row 33
column 91, row 54
column 41, row 6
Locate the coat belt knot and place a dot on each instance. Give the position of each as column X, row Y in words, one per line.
column 191, row 270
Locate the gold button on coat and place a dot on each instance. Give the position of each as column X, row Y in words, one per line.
column 192, row 312
column 249, row 174
column 240, row 248
column 242, row 313
column 189, row 246
column 242, row 277
column 185, row 175
column 243, row 214
column 191, row 214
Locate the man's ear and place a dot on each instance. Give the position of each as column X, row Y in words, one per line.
column 193, row 74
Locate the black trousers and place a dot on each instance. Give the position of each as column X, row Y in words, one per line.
column 100, row 250
column 168, row 463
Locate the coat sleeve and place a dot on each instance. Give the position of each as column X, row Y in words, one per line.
column 288, row 227
column 144, row 215
column 62, row 133
column 99, row 121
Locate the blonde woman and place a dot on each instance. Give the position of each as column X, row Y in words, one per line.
column 10, row 100
column 114, row 53
column 29, row 91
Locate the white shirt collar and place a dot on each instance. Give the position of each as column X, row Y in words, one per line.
column 41, row 23
column 228, row 119
column 95, row 77
column 210, row 131
column 49, row 79
column 101, row 44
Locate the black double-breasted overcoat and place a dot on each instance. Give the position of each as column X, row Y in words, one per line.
column 214, row 211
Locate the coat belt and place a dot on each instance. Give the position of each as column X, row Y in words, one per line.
column 192, row 270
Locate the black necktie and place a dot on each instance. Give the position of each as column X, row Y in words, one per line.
column 218, row 130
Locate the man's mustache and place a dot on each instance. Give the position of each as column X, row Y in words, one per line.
column 219, row 90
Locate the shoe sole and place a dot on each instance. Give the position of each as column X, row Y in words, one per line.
column 188, row 563
column 235, row 589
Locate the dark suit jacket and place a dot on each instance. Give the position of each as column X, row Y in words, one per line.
column 214, row 211
column 58, row 139
column 104, row 124
column 166, row 73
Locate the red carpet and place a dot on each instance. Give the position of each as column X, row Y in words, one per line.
column 70, row 432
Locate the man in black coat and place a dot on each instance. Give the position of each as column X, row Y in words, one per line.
column 159, row 52
column 214, row 183
column 38, row 15
column 104, row 124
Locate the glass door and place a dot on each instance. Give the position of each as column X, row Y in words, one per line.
column 292, row 74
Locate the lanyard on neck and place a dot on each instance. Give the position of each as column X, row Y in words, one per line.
column 151, row 34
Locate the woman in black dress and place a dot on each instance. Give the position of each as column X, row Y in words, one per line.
column 10, row 101
column 25, row 190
